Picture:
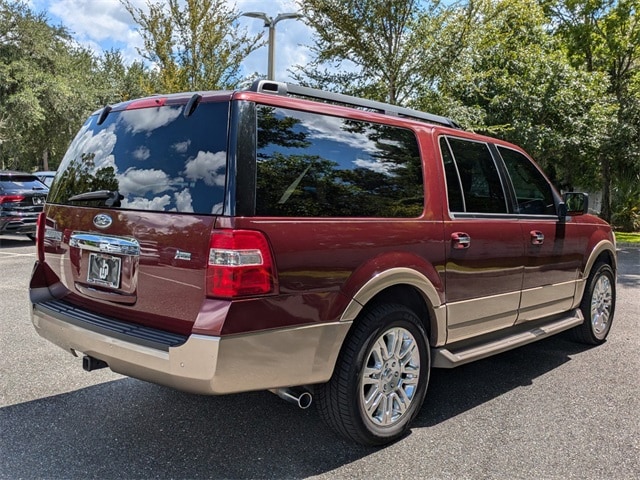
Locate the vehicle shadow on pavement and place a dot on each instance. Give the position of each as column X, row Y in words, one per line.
column 454, row 391
column 132, row 429
column 15, row 242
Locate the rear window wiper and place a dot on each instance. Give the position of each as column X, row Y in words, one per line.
column 112, row 197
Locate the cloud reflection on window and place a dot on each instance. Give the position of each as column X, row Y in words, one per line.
column 140, row 181
column 181, row 147
column 183, row 201
column 141, row 153
column 100, row 145
column 208, row 167
column 139, row 203
column 149, row 119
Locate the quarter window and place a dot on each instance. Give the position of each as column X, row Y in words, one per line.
column 313, row 165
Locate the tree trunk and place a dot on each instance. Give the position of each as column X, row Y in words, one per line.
column 605, row 213
column 45, row 160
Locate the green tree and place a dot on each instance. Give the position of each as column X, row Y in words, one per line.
column 604, row 36
column 45, row 88
column 120, row 82
column 514, row 80
column 194, row 44
column 373, row 46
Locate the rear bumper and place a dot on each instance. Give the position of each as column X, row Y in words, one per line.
column 204, row 364
column 18, row 224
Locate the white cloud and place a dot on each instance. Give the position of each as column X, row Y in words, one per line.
column 376, row 166
column 183, row 201
column 207, row 166
column 157, row 204
column 148, row 119
column 139, row 182
column 141, row 153
column 100, row 145
column 181, row 147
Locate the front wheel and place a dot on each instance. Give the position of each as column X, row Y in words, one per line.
column 380, row 379
column 597, row 306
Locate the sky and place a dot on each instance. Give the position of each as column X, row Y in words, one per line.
column 104, row 24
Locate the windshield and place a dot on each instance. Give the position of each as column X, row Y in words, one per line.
column 151, row 159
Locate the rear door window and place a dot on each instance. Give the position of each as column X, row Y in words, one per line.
column 313, row 165
column 473, row 181
column 155, row 158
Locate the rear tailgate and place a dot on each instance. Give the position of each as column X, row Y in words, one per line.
column 146, row 268
column 129, row 217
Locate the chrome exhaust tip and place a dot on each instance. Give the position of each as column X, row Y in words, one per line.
column 302, row 398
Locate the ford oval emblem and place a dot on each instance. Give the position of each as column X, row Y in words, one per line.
column 102, row 220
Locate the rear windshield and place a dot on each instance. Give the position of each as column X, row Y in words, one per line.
column 153, row 159
column 20, row 182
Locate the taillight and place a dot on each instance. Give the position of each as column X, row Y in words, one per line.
column 240, row 264
column 11, row 198
column 40, row 226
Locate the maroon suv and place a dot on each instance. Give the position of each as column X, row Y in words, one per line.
column 309, row 243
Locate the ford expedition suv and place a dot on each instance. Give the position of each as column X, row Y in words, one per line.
column 308, row 243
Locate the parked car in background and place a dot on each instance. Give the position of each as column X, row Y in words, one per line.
column 22, row 197
column 46, row 177
column 279, row 238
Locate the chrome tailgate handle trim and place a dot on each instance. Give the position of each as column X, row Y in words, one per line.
column 105, row 244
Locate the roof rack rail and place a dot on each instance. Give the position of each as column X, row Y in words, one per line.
column 281, row 88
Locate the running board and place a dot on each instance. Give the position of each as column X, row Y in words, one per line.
column 452, row 356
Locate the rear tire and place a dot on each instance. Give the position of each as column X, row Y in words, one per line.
column 597, row 306
column 380, row 379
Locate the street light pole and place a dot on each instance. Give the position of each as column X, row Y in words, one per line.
column 270, row 23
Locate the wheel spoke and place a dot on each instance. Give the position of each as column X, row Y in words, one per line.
column 410, row 380
column 387, row 411
column 372, row 403
column 402, row 401
column 380, row 350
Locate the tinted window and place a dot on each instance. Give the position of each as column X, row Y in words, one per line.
column 20, row 182
column 154, row 157
column 478, row 176
column 454, row 190
column 533, row 192
column 317, row 165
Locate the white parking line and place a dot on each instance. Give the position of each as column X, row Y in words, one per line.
column 9, row 254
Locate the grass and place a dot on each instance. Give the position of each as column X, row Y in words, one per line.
column 626, row 237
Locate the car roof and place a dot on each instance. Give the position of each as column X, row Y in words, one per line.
column 7, row 174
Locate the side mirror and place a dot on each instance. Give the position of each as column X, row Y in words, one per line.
column 574, row 203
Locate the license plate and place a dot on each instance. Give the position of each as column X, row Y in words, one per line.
column 104, row 270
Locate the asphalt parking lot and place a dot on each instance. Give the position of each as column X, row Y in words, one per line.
column 553, row 409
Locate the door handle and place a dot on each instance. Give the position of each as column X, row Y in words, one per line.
column 460, row 240
column 537, row 238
